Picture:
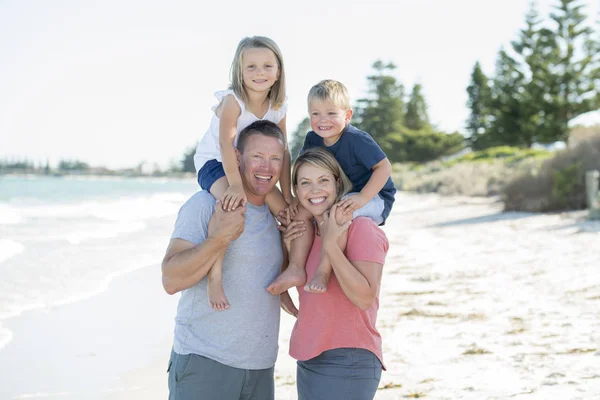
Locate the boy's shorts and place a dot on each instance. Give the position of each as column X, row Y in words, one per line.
column 373, row 209
column 210, row 172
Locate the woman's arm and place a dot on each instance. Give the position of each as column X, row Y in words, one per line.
column 359, row 280
column 286, row 172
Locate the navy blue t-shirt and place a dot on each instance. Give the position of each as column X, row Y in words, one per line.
column 357, row 153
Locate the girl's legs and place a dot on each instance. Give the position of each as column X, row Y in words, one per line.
column 216, row 295
column 294, row 274
column 318, row 284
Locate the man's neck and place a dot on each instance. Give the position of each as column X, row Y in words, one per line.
column 255, row 200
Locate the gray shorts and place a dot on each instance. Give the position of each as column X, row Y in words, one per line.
column 339, row 374
column 193, row 377
column 373, row 209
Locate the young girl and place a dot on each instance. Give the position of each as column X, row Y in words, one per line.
column 256, row 92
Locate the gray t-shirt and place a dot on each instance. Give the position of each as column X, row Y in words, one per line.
column 246, row 335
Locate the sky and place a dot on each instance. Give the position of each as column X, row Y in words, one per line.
column 119, row 83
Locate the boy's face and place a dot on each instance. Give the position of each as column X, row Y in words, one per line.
column 328, row 120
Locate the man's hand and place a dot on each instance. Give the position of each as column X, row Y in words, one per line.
column 287, row 304
column 227, row 225
column 352, row 203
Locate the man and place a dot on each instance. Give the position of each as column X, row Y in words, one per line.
column 228, row 355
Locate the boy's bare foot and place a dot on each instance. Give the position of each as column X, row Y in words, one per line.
column 216, row 296
column 318, row 284
column 292, row 276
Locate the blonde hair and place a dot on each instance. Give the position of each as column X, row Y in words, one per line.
column 334, row 91
column 277, row 92
column 321, row 158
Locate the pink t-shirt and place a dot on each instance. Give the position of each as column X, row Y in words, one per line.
column 330, row 320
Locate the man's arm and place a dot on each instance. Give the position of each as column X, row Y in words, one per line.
column 185, row 264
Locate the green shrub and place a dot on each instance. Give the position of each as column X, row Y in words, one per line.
column 559, row 183
column 481, row 173
column 507, row 153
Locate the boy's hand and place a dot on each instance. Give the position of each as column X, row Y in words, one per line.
column 234, row 197
column 352, row 203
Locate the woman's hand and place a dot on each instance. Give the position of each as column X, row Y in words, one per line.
column 291, row 230
column 330, row 230
column 234, row 197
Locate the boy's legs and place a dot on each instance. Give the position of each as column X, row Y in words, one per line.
column 216, row 295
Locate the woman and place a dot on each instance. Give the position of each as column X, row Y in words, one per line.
column 335, row 340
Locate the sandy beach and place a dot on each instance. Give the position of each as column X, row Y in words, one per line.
column 475, row 304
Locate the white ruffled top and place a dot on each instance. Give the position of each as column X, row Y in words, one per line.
column 208, row 147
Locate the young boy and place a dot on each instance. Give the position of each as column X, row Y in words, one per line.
column 362, row 160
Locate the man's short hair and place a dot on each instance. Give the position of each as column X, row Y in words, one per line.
column 260, row 127
column 331, row 90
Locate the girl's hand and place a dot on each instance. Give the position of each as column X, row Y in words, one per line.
column 234, row 197
column 330, row 230
column 352, row 203
column 288, row 198
column 291, row 230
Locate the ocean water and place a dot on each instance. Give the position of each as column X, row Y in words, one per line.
column 63, row 239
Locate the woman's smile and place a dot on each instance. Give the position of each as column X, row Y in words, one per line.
column 316, row 188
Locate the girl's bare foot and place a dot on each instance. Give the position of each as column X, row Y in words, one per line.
column 216, row 296
column 292, row 276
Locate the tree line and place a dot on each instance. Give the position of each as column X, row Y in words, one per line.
column 399, row 123
column 549, row 75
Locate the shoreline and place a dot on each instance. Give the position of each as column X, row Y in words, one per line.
column 82, row 349
column 184, row 176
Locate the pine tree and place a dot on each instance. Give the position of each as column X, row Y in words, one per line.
column 533, row 47
column 187, row 162
column 505, row 105
column 575, row 77
column 479, row 98
column 416, row 117
column 382, row 112
column 297, row 139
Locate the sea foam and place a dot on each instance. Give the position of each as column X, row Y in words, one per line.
column 9, row 248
